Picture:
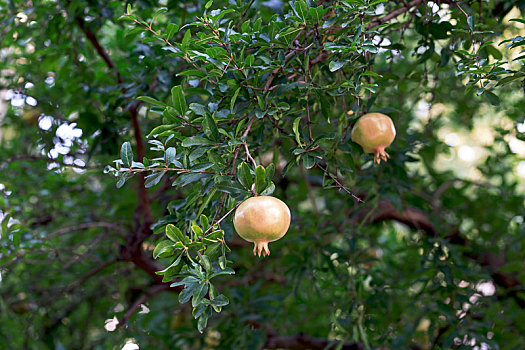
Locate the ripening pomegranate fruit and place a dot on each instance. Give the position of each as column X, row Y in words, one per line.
column 374, row 132
column 262, row 219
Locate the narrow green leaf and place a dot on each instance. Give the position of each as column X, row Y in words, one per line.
column 220, row 300
column 261, row 103
column 199, row 294
column 186, row 41
column 178, row 100
column 173, row 233
column 153, row 179
column 205, row 262
column 171, row 154
column 126, row 154
column 163, row 249
column 202, row 322
column 210, row 128
column 335, row 65
column 171, row 30
column 196, row 141
column 244, row 176
column 296, row 130
column 260, row 178
column 234, row 98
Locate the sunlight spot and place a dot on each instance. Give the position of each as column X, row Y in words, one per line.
column 486, row 288
column 17, row 100
column 31, row 101
column 452, row 139
column 466, row 153
column 111, row 324
column 520, row 169
column 45, row 122
column 521, row 127
column 130, row 345
column 143, row 309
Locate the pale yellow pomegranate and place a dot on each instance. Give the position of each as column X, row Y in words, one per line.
column 374, row 132
column 262, row 219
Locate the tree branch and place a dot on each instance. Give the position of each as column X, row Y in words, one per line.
column 304, row 341
column 155, row 289
column 88, row 275
column 45, row 159
column 380, row 20
column 419, row 220
column 86, row 225
column 98, row 47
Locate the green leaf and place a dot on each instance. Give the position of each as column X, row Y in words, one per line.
column 186, row 41
column 153, row 179
column 220, row 300
column 225, row 271
column 260, row 178
column 171, row 154
column 205, row 262
column 492, row 98
column 178, row 100
column 198, row 108
column 203, row 219
column 231, row 187
column 5, row 232
column 270, row 171
column 268, row 190
column 151, row 100
column 201, row 167
column 126, row 154
column 202, row 322
column 208, row 4
column 471, row 20
column 261, row 103
column 196, row 230
column 196, row 141
column 308, row 161
column 210, row 128
column 244, row 175
column 296, row 131
column 199, row 294
column 199, row 309
column 171, row 30
column 234, row 98
column 335, row 65
column 302, row 9
column 163, row 249
column 160, row 129
column 173, row 233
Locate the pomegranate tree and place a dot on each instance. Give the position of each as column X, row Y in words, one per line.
column 374, row 132
column 262, row 219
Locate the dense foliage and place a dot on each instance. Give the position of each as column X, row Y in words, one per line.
column 131, row 131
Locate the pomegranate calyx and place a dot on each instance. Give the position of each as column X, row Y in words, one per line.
column 380, row 153
column 261, row 247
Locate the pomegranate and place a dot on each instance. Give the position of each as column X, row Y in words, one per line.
column 262, row 219
column 374, row 132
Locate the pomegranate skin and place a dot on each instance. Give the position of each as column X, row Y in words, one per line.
column 262, row 219
column 374, row 132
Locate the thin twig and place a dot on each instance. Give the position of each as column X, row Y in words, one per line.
column 222, row 218
column 378, row 21
column 86, row 225
column 339, row 184
column 156, row 289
